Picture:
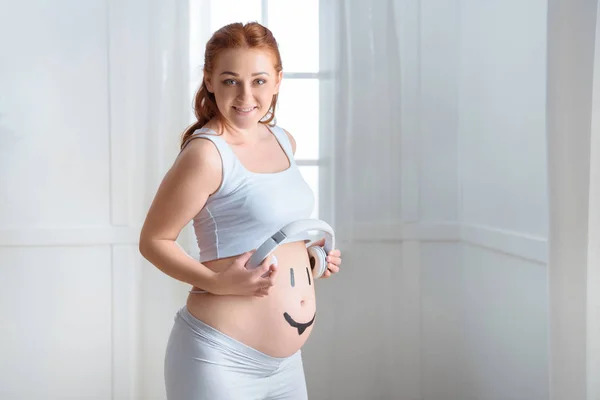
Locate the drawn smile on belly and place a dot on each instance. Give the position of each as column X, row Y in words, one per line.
column 298, row 325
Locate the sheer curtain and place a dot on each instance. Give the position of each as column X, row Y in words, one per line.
column 375, row 191
column 164, row 103
column 369, row 115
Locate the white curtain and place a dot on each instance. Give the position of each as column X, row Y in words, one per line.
column 165, row 104
column 368, row 135
column 375, row 191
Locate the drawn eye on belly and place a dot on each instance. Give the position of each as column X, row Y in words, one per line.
column 293, row 279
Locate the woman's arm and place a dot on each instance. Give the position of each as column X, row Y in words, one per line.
column 195, row 174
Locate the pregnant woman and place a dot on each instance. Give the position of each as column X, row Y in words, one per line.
column 239, row 337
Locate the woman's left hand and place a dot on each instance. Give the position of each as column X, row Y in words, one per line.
column 334, row 259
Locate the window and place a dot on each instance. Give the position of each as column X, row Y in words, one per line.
column 295, row 25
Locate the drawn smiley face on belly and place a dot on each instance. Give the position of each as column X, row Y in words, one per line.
column 301, row 326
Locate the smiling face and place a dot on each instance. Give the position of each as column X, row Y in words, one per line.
column 301, row 326
column 244, row 82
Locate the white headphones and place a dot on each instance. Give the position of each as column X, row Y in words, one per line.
column 295, row 231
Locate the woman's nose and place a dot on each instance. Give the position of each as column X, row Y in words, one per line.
column 245, row 92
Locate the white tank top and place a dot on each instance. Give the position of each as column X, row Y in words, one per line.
column 249, row 207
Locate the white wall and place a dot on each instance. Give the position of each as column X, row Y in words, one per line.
column 56, row 232
column 364, row 336
column 485, row 317
column 86, row 125
column 504, row 203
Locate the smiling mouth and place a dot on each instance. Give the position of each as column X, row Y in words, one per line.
column 300, row 326
column 244, row 110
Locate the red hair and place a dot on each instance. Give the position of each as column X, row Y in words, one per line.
column 233, row 36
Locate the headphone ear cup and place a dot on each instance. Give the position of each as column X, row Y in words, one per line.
column 317, row 259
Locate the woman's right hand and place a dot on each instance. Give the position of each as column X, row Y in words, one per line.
column 238, row 280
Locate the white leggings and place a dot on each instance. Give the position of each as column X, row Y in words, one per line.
column 202, row 363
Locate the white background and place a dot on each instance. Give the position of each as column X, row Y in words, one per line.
column 443, row 128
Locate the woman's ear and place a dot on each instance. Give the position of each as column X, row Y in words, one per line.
column 208, row 85
column 279, row 78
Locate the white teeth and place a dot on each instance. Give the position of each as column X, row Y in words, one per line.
column 244, row 109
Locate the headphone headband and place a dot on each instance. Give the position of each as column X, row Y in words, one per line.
column 292, row 232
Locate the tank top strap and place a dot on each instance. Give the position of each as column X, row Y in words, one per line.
column 284, row 141
column 203, row 133
column 220, row 143
column 228, row 158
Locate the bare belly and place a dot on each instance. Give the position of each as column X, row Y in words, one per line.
column 278, row 324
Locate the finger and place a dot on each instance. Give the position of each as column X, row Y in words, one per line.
column 262, row 292
column 269, row 280
column 333, row 268
column 326, row 274
column 244, row 257
column 335, row 253
column 273, row 275
column 263, row 270
column 262, row 288
column 268, row 261
column 333, row 260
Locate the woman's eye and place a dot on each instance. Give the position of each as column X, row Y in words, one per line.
column 261, row 81
column 229, row 82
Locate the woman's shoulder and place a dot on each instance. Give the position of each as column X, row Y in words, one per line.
column 200, row 156
column 290, row 137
